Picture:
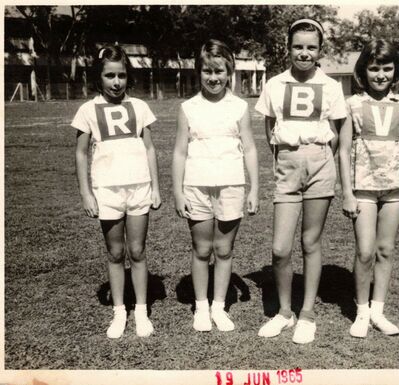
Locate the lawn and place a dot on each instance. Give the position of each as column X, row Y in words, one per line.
column 57, row 305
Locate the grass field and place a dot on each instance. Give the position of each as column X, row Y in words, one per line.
column 57, row 305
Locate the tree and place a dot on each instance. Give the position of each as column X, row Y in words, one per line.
column 51, row 32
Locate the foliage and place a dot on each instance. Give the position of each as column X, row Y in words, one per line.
column 352, row 36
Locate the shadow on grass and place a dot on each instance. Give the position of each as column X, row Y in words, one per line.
column 336, row 286
column 185, row 290
column 156, row 291
column 264, row 279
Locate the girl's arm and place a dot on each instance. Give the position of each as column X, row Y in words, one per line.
column 335, row 126
column 349, row 204
column 182, row 205
column 89, row 201
column 153, row 166
column 269, row 125
column 251, row 162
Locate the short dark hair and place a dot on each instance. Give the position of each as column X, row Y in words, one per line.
column 111, row 52
column 381, row 51
column 215, row 49
column 307, row 25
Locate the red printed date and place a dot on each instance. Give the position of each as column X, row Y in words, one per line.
column 289, row 376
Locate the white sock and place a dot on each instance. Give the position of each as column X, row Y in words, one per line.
column 140, row 308
column 119, row 308
column 376, row 307
column 363, row 309
column 202, row 305
column 217, row 305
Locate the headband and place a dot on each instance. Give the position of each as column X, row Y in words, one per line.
column 308, row 21
column 101, row 53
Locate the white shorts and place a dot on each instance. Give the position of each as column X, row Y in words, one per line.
column 116, row 201
column 224, row 203
column 369, row 196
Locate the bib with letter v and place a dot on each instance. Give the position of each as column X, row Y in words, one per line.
column 380, row 120
column 302, row 101
column 116, row 121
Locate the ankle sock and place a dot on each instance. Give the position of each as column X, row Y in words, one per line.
column 376, row 307
column 140, row 308
column 119, row 308
column 285, row 313
column 363, row 308
column 217, row 305
column 307, row 315
column 202, row 305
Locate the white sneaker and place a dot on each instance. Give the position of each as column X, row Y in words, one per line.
column 222, row 320
column 304, row 332
column 360, row 327
column 143, row 324
column 381, row 323
column 276, row 325
column 202, row 321
column 117, row 326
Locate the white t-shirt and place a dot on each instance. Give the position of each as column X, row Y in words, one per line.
column 119, row 156
column 215, row 154
column 302, row 110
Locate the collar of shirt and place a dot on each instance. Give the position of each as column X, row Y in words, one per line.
column 228, row 97
column 101, row 100
column 391, row 97
column 319, row 77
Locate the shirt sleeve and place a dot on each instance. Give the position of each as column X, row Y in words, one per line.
column 338, row 105
column 264, row 104
column 80, row 121
column 148, row 116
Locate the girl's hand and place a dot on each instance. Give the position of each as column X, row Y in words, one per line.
column 357, row 122
column 156, row 199
column 252, row 203
column 90, row 205
column 350, row 207
column 183, row 206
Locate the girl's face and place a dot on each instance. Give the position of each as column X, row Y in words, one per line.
column 114, row 81
column 304, row 51
column 214, row 78
column 380, row 76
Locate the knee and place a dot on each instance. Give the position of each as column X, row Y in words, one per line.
column 364, row 256
column 116, row 253
column 310, row 245
column 223, row 251
column 384, row 252
column 136, row 251
column 202, row 251
column 281, row 253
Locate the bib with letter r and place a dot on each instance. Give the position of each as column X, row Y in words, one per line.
column 302, row 101
column 380, row 120
column 116, row 121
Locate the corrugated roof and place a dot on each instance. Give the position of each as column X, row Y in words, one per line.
column 339, row 65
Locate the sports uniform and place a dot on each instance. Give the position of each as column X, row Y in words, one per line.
column 119, row 169
column 305, row 166
column 214, row 176
column 375, row 150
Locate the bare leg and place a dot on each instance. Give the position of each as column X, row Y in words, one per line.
column 136, row 232
column 387, row 228
column 365, row 233
column 286, row 217
column 202, row 236
column 314, row 217
column 225, row 234
column 114, row 234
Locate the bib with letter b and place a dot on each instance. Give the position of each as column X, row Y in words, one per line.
column 380, row 120
column 116, row 121
column 302, row 101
